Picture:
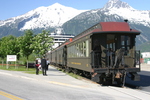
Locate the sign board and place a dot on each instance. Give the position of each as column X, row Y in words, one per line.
column 11, row 57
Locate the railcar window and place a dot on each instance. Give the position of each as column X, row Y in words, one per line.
column 111, row 41
column 79, row 50
column 87, row 48
column 84, row 49
column 79, row 53
column 77, row 46
column 125, row 43
column 73, row 51
column 68, row 52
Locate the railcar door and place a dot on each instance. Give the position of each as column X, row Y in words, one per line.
column 98, row 47
column 127, row 42
column 110, row 50
column 123, row 50
column 120, row 45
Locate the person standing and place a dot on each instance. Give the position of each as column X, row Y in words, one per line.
column 109, row 57
column 48, row 62
column 37, row 67
column 44, row 66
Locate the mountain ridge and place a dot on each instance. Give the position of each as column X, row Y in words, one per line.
column 116, row 4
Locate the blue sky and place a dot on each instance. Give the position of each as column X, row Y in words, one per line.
column 13, row 8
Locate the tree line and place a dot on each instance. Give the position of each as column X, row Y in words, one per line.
column 24, row 46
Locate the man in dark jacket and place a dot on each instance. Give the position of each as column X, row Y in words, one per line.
column 44, row 65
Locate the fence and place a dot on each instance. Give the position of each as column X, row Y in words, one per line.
column 17, row 63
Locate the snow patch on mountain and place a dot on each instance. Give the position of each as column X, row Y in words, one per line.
column 52, row 16
column 117, row 4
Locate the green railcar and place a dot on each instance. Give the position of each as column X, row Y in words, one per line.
column 105, row 52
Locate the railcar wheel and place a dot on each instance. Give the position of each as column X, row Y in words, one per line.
column 118, row 81
column 86, row 74
column 75, row 71
column 101, row 79
column 67, row 69
column 121, row 80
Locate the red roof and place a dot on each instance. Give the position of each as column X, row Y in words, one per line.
column 113, row 26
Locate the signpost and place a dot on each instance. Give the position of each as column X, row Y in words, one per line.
column 11, row 58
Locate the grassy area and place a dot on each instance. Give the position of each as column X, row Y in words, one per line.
column 19, row 68
column 71, row 74
column 75, row 76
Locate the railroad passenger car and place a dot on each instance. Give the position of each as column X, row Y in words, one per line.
column 106, row 52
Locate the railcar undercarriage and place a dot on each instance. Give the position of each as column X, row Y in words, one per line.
column 113, row 74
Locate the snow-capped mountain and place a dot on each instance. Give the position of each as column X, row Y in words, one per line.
column 137, row 17
column 127, row 12
column 74, row 21
column 114, row 10
column 43, row 17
